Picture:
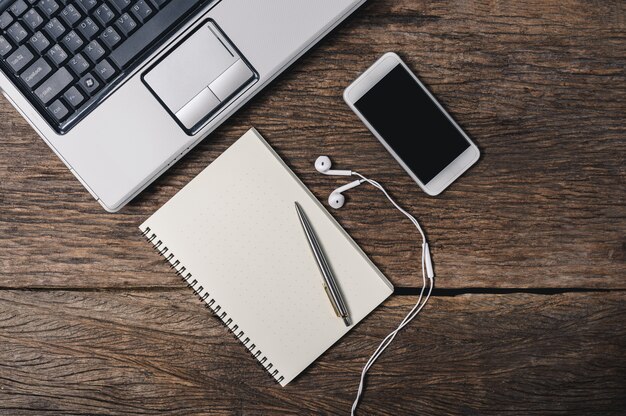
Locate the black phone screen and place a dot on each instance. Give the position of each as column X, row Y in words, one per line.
column 411, row 123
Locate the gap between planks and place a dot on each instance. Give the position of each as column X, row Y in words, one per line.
column 398, row 291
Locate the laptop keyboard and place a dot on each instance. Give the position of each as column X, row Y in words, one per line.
column 67, row 55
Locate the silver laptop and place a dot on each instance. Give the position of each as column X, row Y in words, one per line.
column 121, row 89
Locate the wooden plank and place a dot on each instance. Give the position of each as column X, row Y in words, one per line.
column 154, row 352
column 539, row 85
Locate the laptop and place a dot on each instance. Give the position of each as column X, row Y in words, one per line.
column 122, row 89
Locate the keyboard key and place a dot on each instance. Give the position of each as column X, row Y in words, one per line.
column 160, row 3
column 104, row 15
column 79, row 64
column 48, row 7
column 126, row 24
column 57, row 54
column 18, row 8
column 36, row 73
column 141, row 11
column 71, row 15
column 53, row 86
column 73, row 42
column 121, row 5
column 110, row 37
column 40, row 42
column 5, row 20
column 87, row 5
column 17, row 32
column 59, row 110
column 89, row 84
column 94, row 51
column 88, row 28
column 143, row 37
column 74, row 97
column 105, row 71
column 20, row 58
column 33, row 19
column 55, row 29
column 5, row 47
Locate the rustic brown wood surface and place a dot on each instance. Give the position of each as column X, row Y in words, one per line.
column 131, row 352
column 92, row 322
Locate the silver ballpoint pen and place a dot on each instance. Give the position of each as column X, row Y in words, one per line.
column 330, row 284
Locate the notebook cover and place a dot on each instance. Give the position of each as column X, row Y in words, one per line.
column 233, row 234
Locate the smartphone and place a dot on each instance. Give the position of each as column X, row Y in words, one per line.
column 411, row 124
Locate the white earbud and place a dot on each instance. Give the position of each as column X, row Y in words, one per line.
column 336, row 198
column 323, row 165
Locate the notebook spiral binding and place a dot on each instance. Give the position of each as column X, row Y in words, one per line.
column 211, row 304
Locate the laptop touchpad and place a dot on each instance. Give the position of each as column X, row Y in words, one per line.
column 199, row 76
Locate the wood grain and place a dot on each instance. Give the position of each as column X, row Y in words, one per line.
column 539, row 86
column 116, row 352
column 92, row 322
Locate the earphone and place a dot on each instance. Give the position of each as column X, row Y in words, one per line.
column 323, row 165
column 336, row 200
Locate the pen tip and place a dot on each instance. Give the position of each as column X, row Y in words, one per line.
column 346, row 320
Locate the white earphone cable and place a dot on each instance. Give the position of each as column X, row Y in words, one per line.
column 421, row 301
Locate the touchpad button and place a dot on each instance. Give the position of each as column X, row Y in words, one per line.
column 183, row 79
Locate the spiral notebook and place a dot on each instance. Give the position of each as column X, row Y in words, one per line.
column 233, row 234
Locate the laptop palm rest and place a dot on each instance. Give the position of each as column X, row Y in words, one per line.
column 199, row 76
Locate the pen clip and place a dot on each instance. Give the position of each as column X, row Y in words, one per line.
column 330, row 297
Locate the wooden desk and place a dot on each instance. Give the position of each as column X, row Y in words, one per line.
column 529, row 315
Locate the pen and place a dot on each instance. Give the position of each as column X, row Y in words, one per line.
column 330, row 284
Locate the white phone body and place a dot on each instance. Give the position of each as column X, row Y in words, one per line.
column 367, row 81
